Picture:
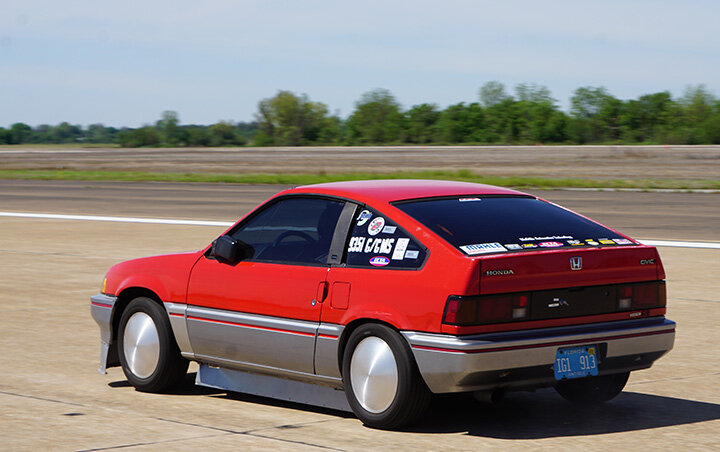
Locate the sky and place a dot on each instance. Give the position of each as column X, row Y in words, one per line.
column 124, row 63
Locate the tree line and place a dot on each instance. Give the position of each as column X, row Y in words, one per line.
column 527, row 116
column 166, row 132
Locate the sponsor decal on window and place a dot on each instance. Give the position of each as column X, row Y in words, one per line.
column 399, row 253
column 412, row 254
column 482, row 248
column 376, row 225
column 364, row 216
column 575, row 243
column 606, row 241
column 550, row 244
column 389, row 229
column 591, row 242
column 623, row 241
column 379, row 261
column 529, row 245
column 512, row 246
column 468, row 199
column 549, row 237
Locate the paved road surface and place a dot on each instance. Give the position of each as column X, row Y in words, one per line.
column 647, row 215
column 52, row 398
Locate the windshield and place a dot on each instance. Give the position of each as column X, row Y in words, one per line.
column 482, row 225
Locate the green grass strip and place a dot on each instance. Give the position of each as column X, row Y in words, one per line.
column 304, row 179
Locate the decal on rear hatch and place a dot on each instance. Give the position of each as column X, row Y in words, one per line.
column 483, row 248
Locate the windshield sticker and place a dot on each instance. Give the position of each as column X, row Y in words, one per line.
column 376, row 225
column 606, row 242
column 389, row 229
column 623, row 241
column 379, row 261
column 364, row 216
column 550, row 244
column 399, row 253
column 371, row 245
column 513, row 246
column 575, row 243
column 529, row 245
column 549, row 237
column 379, row 246
column 469, row 199
column 412, row 254
column 591, row 242
column 356, row 244
column 482, row 248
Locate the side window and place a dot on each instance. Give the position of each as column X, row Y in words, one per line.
column 378, row 242
column 296, row 230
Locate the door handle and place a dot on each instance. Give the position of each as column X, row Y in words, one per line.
column 322, row 293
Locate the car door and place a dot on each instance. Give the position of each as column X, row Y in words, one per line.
column 380, row 272
column 264, row 311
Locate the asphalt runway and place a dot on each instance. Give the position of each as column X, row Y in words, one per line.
column 51, row 396
column 646, row 215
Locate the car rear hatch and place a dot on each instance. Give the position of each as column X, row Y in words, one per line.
column 576, row 282
column 540, row 270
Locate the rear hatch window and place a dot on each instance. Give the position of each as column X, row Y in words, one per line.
column 479, row 225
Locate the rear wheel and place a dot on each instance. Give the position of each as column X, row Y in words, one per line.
column 382, row 383
column 592, row 390
column 149, row 355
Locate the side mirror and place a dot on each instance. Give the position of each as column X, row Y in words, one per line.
column 230, row 251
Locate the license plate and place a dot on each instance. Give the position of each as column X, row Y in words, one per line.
column 576, row 362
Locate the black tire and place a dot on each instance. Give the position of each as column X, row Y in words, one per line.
column 412, row 395
column 592, row 390
column 170, row 367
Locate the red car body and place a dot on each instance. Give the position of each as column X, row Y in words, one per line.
column 474, row 317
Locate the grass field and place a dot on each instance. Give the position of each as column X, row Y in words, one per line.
column 307, row 178
column 626, row 167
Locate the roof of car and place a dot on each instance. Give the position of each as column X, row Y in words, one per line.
column 401, row 189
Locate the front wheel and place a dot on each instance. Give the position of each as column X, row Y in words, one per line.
column 382, row 383
column 592, row 390
column 149, row 355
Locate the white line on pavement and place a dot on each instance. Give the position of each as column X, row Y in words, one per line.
column 50, row 216
column 711, row 245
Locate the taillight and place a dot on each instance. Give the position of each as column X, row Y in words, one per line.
column 486, row 309
column 520, row 306
column 642, row 296
column 554, row 303
column 459, row 311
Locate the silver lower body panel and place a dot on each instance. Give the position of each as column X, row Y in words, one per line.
column 525, row 359
column 275, row 387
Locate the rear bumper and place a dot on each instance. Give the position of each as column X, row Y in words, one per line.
column 525, row 359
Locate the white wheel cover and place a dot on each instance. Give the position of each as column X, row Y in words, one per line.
column 374, row 374
column 141, row 345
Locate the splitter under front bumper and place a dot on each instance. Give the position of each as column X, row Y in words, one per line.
column 101, row 308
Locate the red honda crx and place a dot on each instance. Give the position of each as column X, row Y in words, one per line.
column 370, row 296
